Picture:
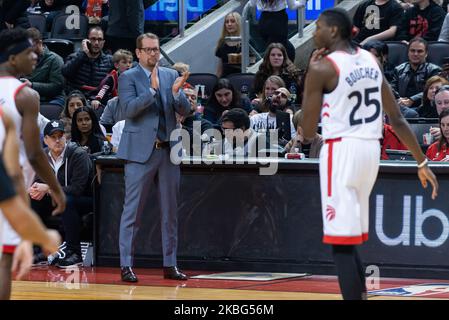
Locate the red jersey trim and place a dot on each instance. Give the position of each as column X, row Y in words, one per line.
column 23, row 85
column 329, row 164
column 342, row 240
column 9, row 249
column 337, row 69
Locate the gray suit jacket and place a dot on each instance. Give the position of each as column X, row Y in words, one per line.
column 138, row 105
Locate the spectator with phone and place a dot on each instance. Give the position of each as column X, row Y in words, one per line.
column 86, row 68
column 439, row 150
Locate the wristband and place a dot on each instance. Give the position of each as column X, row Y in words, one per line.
column 422, row 164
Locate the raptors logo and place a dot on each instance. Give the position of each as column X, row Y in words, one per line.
column 330, row 213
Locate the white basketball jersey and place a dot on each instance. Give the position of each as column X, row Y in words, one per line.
column 9, row 88
column 2, row 141
column 354, row 108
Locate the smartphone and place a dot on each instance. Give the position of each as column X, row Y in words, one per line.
column 89, row 46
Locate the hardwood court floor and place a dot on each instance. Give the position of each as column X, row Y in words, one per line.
column 51, row 283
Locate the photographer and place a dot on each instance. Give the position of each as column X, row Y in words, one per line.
column 85, row 69
column 277, row 118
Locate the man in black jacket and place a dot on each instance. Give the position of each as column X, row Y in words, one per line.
column 74, row 172
column 424, row 20
column 410, row 77
column 377, row 20
column 85, row 69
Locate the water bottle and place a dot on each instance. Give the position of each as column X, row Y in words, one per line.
column 199, row 108
column 293, row 93
column 244, row 91
column 106, row 149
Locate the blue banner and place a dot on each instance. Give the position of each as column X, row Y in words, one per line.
column 167, row 10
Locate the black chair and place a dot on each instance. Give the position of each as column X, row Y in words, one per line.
column 66, row 26
column 207, row 79
column 438, row 50
column 51, row 111
column 38, row 21
column 60, row 46
column 243, row 82
column 397, row 52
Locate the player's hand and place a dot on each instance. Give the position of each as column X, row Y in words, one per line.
column 155, row 77
column 179, row 82
column 59, row 201
column 317, row 55
column 53, row 242
column 22, row 259
column 425, row 174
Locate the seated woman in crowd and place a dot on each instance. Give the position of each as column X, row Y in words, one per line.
column 74, row 101
column 427, row 108
column 223, row 98
column 439, row 150
column 276, row 62
column 299, row 144
column 272, row 83
column 86, row 130
column 231, row 28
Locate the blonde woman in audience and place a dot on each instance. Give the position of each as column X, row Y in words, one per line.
column 229, row 52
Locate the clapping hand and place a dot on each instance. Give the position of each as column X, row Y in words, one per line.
column 155, row 77
column 179, row 82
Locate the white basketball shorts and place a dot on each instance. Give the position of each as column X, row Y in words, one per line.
column 348, row 170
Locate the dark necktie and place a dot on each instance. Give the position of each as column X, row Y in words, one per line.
column 162, row 127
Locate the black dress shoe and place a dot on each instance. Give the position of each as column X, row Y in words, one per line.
column 174, row 273
column 128, row 275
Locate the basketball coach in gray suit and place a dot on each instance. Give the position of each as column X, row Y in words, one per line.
column 149, row 97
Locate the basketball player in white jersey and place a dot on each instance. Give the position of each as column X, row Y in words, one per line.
column 14, row 198
column 346, row 87
column 21, row 103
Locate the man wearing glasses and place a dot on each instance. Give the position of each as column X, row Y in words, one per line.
column 278, row 118
column 149, row 97
column 85, row 69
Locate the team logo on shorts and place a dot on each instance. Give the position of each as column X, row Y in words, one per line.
column 330, row 213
